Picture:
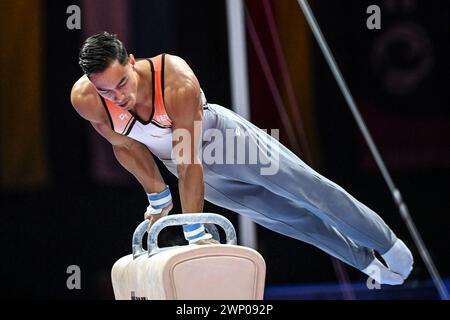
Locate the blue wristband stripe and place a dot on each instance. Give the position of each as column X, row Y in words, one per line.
column 159, row 196
column 201, row 234
column 192, row 227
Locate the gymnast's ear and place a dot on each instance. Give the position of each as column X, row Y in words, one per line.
column 132, row 60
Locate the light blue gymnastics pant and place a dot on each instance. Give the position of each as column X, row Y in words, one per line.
column 296, row 201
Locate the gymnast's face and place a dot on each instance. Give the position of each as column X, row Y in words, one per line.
column 118, row 83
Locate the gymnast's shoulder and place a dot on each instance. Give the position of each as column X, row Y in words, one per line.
column 86, row 101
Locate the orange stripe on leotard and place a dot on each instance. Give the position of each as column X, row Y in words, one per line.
column 160, row 116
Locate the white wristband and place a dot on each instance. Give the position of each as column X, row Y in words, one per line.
column 158, row 201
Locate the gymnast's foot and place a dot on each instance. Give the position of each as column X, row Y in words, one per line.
column 399, row 259
column 377, row 271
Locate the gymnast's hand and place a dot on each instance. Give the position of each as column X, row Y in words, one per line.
column 153, row 217
column 207, row 241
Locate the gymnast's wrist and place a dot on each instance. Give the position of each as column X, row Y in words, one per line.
column 159, row 201
column 195, row 232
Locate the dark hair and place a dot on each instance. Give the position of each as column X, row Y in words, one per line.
column 100, row 51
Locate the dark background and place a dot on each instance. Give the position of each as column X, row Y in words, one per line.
column 77, row 220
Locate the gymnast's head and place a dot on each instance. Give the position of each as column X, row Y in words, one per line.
column 105, row 61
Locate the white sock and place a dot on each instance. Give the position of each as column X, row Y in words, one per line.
column 377, row 271
column 399, row 259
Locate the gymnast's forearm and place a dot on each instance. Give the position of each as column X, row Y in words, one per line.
column 191, row 186
column 137, row 160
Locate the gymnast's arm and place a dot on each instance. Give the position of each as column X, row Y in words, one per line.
column 183, row 104
column 131, row 154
